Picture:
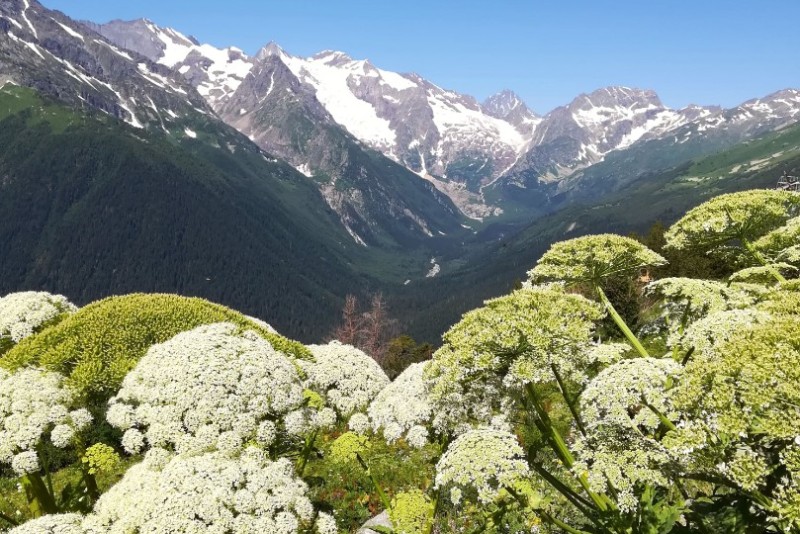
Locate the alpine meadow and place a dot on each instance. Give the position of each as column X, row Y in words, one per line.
column 254, row 291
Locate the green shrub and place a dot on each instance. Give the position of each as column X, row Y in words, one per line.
column 97, row 346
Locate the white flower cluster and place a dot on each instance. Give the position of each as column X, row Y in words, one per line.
column 620, row 459
column 762, row 274
column 708, row 333
column 616, row 396
column 32, row 403
column 606, row 353
column 403, row 408
column 347, row 378
column 205, row 389
column 484, row 460
column 52, row 524
column 22, row 313
column 212, row 492
column 685, row 300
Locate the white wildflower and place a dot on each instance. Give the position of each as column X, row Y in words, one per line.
column 81, row 418
column 21, row 314
column 266, row 433
column 326, row 524
column 25, row 462
column 52, row 524
column 359, row 423
column 347, row 378
column 33, row 405
column 708, row 333
column 483, row 460
column 213, row 492
column 205, row 388
column 616, row 395
column 62, row 435
column 133, row 441
column 402, row 405
column 417, row 436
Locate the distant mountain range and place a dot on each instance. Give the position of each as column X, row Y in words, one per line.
column 134, row 158
column 487, row 157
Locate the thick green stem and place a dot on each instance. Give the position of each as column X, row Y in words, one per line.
column 760, row 259
column 560, row 524
column 307, row 448
column 560, row 447
column 577, row 500
column 381, row 495
column 573, row 410
column 434, row 511
column 41, row 502
column 620, row 322
column 661, row 417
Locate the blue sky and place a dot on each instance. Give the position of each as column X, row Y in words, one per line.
column 548, row 51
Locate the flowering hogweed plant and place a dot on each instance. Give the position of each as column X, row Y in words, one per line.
column 22, row 314
column 745, row 215
column 402, row 408
column 211, row 492
column 683, row 300
column 33, row 404
column 519, row 338
column 345, row 376
column 53, row 524
column 593, row 258
column 481, row 462
column 704, row 336
column 213, row 387
column 620, row 395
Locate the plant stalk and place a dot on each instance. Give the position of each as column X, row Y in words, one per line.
column 620, row 322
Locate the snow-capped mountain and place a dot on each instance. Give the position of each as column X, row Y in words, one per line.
column 45, row 50
column 215, row 72
column 583, row 132
column 508, row 106
column 459, row 145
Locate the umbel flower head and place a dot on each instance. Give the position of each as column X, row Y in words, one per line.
column 346, row 377
column 593, row 258
column 742, row 407
column 33, row 404
column 706, row 335
column 746, row 215
column 689, row 299
column 780, row 239
column 402, row 406
column 211, row 492
column 483, row 462
column 518, row 338
column 618, row 395
column 21, row 314
column 209, row 388
column 619, row 460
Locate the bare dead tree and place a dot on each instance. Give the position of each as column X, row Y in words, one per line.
column 369, row 331
column 350, row 330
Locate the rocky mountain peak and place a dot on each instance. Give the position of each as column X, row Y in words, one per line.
column 617, row 96
column 271, row 49
column 502, row 104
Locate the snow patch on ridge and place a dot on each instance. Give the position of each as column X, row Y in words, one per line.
column 330, row 81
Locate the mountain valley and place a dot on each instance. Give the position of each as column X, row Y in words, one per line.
column 278, row 184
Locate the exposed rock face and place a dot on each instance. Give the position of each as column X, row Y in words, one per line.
column 49, row 52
